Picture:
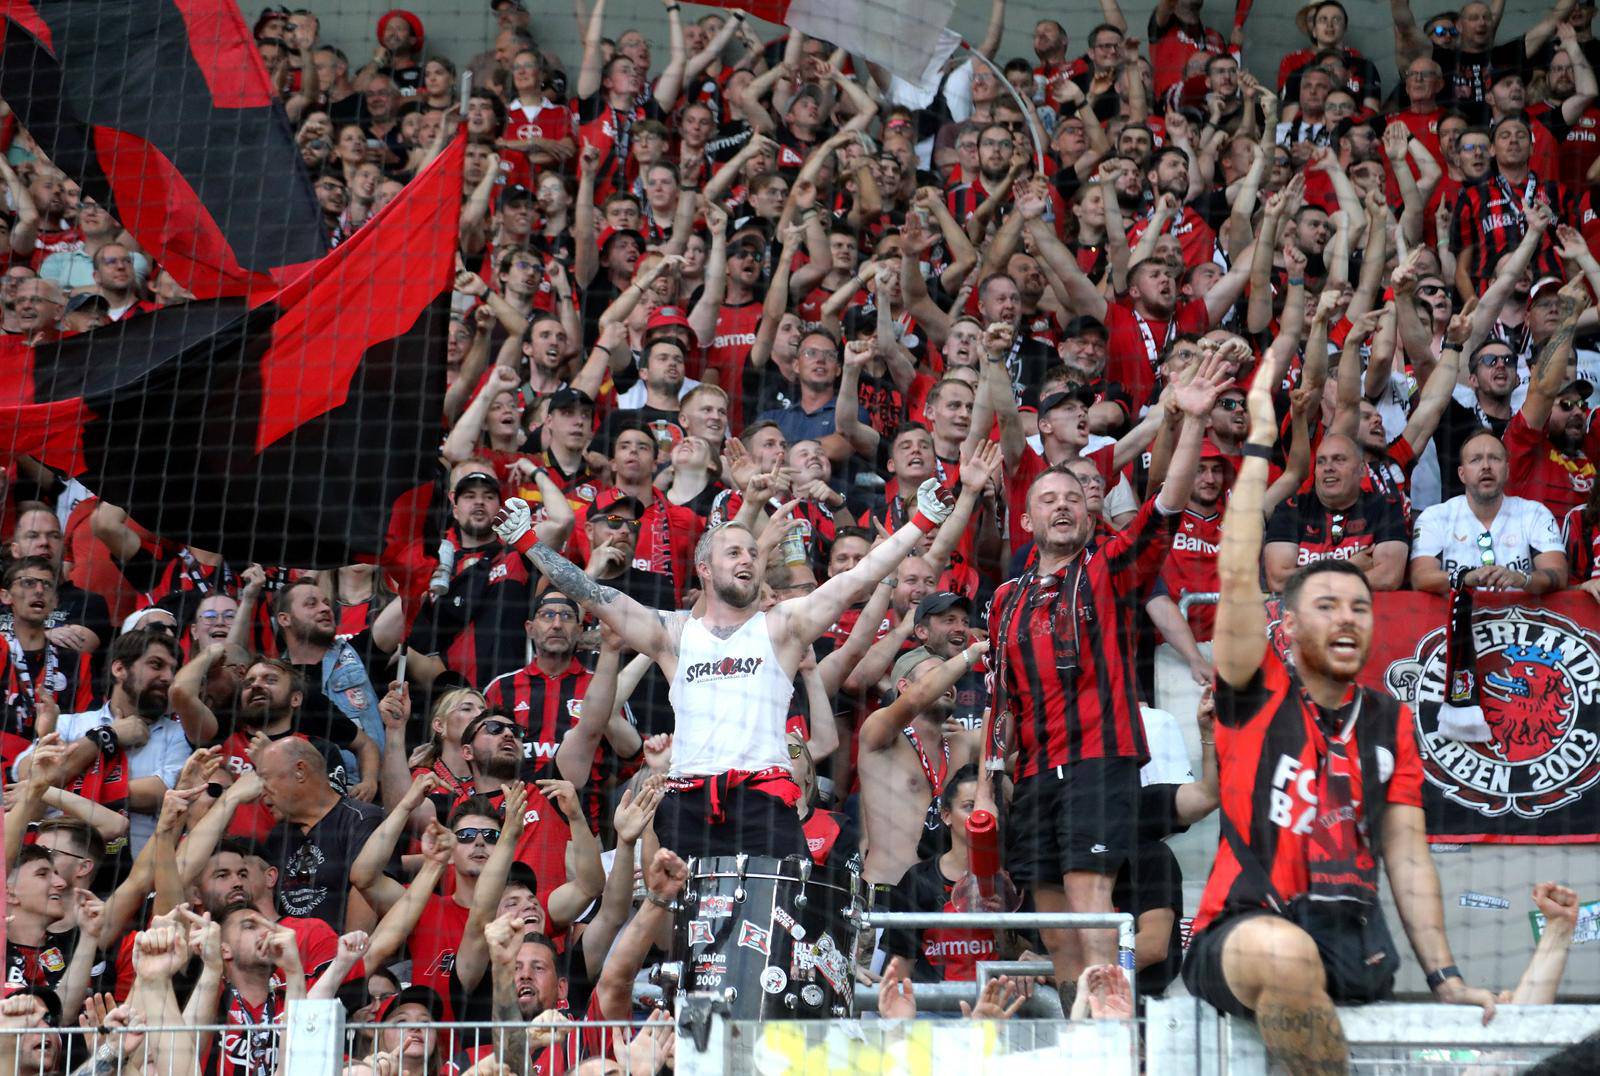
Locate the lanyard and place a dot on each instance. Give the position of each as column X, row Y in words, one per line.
column 935, row 780
column 1152, row 352
column 195, row 571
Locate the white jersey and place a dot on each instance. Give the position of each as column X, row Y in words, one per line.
column 1521, row 530
column 730, row 698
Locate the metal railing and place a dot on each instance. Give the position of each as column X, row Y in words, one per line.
column 163, row 1050
column 1199, row 597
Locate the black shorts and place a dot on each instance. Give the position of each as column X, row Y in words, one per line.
column 1202, row 965
column 1079, row 817
column 755, row 823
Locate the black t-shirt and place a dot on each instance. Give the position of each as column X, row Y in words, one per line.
column 75, row 606
column 314, row 866
column 1455, row 426
column 1322, row 533
column 40, row 965
column 1028, row 361
column 662, row 424
column 1467, row 73
column 923, row 889
column 1152, row 881
column 348, row 110
column 408, row 80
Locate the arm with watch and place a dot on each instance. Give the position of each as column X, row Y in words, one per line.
column 664, row 879
column 1415, row 885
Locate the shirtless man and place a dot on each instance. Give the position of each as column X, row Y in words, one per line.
column 905, row 755
column 732, row 672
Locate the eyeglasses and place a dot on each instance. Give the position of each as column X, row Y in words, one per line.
column 1474, row 148
column 555, row 614
column 1420, row 76
column 1336, row 527
column 499, row 728
column 470, row 834
column 32, row 582
column 1486, row 547
column 817, row 353
column 745, row 252
column 227, row 616
column 1495, row 359
column 1230, row 403
column 996, row 143
column 522, row 264
column 616, row 522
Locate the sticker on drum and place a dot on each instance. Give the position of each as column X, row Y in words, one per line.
column 811, row 994
column 753, row 937
column 787, row 922
column 700, row 933
column 773, row 980
column 716, row 907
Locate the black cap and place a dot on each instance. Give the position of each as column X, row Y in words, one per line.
column 942, row 601
column 1577, row 384
column 1082, row 324
column 1073, row 393
column 85, row 299
column 567, row 396
column 476, row 478
column 516, row 192
column 52, row 1003
column 522, row 874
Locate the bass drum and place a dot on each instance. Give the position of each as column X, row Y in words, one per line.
column 773, row 938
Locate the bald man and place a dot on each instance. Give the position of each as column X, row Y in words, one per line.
column 1337, row 518
column 317, row 838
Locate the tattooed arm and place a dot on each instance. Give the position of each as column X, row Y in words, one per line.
column 642, row 629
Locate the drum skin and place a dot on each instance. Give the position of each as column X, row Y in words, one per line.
column 772, row 938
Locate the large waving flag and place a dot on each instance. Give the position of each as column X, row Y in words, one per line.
column 904, row 38
column 280, row 432
column 162, row 111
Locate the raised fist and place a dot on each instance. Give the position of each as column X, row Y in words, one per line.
column 514, row 523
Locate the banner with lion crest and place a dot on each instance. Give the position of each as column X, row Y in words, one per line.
column 1537, row 780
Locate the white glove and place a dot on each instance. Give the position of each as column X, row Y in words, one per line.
column 513, row 521
column 934, row 502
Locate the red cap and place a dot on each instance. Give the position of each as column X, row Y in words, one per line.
column 414, row 22
column 666, row 317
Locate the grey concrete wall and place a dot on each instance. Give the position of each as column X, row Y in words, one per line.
column 461, row 28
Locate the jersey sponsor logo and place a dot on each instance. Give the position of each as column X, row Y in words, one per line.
column 537, row 749
column 1539, row 678
column 734, row 340
column 499, row 572
column 1188, row 543
column 725, row 669
column 943, row 949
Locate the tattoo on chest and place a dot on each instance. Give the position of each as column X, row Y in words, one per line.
column 723, row 632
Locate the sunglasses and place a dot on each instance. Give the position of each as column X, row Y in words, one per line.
column 745, row 252
column 1486, row 548
column 1336, row 527
column 498, row 728
column 616, row 522
column 1430, row 289
column 1230, row 403
column 1495, row 359
column 471, row 833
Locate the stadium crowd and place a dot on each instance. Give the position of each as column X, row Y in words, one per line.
column 957, row 381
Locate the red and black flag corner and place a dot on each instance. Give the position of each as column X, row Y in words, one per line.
column 163, row 112
column 281, row 432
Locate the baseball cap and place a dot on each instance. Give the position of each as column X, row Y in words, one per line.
column 476, row 478
column 1578, row 385
column 608, row 234
column 612, row 499
column 908, row 661
column 496, row 5
column 86, row 299
column 940, row 602
column 1083, row 324
column 567, row 396
column 667, row 317
column 416, row 994
column 522, row 874
column 1533, row 293
column 1503, row 71
column 1210, row 451
column 52, row 1003
column 516, row 192
column 1077, row 393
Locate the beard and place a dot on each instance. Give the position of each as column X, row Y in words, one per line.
column 501, row 767
column 316, row 635
column 478, row 532
column 737, row 594
column 151, row 703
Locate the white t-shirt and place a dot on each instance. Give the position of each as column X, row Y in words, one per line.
column 1521, row 530
column 730, row 698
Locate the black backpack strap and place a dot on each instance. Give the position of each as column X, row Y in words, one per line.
column 1250, row 867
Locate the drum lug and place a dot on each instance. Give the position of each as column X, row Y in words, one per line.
column 668, row 973
column 800, row 900
column 791, row 1002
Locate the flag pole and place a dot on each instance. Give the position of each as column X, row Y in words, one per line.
column 1025, row 106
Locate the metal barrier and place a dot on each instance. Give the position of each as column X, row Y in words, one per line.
column 167, row 1050
column 1199, row 597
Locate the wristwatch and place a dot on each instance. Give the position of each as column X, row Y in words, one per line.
column 1436, row 978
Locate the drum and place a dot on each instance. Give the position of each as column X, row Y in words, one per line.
column 773, row 938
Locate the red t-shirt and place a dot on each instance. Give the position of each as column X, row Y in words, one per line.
column 1191, row 567
column 1136, row 342
column 1541, row 472
column 1194, row 235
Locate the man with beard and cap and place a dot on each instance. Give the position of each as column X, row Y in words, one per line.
column 475, row 627
column 1547, row 438
column 943, row 626
column 732, row 670
column 270, row 708
column 131, row 738
column 546, row 699
column 907, row 750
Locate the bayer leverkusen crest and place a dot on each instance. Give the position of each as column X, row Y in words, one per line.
column 1538, row 677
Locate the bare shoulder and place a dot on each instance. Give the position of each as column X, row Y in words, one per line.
column 672, row 621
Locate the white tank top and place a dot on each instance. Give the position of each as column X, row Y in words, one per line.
column 730, row 699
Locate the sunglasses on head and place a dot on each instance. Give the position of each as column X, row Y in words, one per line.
column 470, row 834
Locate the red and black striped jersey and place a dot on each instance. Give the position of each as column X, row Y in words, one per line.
column 1065, row 668
column 69, row 679
column 547, row 708
column 1271, row 751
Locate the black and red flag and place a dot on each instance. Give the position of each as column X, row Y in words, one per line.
column 281, row 434
column 163, row 112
